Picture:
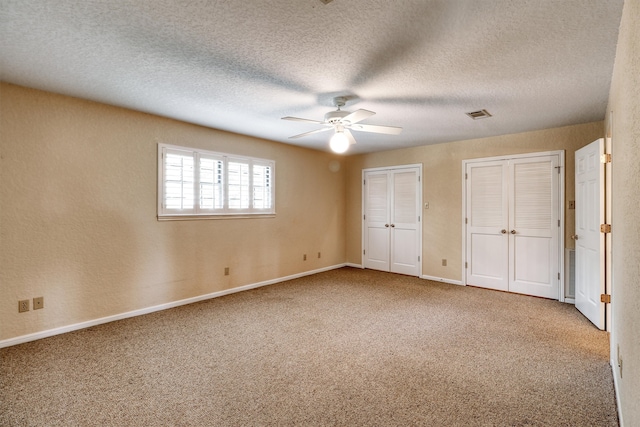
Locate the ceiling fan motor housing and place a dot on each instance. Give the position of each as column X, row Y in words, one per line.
column 335, row 116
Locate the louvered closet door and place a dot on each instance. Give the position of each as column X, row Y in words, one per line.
column 533, row 226
column 487, row 222
column 392, row 220
column 513, row 227
column 404, row 222
column 377, row 224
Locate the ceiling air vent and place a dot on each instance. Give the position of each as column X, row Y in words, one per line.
column 480, row 114
column 326, row 1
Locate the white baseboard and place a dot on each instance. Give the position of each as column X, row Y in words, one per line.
column 350, row 264
column 82, row 325
column 442, row 279
column 614, row 366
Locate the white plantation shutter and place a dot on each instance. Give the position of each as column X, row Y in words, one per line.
column 211, row 183
column 179, row 181
column 262, row 185
column 238, row 177
column 197, row 182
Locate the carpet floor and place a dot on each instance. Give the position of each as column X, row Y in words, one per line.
column 346, row 347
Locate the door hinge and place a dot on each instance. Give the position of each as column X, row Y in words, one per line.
column 418, row 218
column 605, row 298
column 558, row 223
column 605, row 158
column 558, row 276
column 418, row 259
column 364, row 182
column 605, row 228
column 466, row 220
column 466, row 265
column 364, row 252
column 364, row 216
column 466, row 176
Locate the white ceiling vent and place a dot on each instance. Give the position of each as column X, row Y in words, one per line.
column 480, row 114
column 326, row 1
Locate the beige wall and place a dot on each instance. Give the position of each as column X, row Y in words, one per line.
column 442, row 187
column 78, row 214
column 624, row 102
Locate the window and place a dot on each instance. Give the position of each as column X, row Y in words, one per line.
column 203, row 183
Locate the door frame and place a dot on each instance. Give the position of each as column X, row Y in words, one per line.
column 561, row 207
column 420, row 215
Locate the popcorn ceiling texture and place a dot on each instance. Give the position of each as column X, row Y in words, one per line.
column 241, row 66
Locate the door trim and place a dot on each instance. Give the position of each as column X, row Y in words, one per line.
column 363, row 210
column 561, row 207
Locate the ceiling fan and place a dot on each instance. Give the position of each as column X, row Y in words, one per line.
column 342, row 122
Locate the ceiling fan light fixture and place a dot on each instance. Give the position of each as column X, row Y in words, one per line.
column 339, row 143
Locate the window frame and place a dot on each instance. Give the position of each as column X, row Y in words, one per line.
column 248, row 210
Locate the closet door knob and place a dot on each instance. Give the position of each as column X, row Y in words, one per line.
column 393, row 225
column 386, row 225
column 513, row 231
column 504, row 231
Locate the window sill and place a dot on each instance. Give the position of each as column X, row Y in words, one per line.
column 221, row 216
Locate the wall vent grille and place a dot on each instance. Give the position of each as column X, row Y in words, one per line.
column 570, row 273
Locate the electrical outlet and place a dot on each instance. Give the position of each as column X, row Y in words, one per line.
column 319, row 255
column 23, row 305
column 226, row 271
column 38, row 303
column 444, row 262
column 304, row 257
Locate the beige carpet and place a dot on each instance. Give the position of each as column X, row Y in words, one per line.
column 347, row 347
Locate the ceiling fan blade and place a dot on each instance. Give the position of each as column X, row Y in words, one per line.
column 350, row 137
column 357, row 116
column 298, row 119
column 390, row 130
column 311, row 132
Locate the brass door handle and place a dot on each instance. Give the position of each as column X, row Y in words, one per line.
column 504, row 231
column 574, row 237
column 513, row 231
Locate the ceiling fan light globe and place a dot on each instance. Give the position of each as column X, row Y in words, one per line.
column 339, row 143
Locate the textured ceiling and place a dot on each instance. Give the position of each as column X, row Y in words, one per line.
column 242, row 65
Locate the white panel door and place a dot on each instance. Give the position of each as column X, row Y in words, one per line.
column 392, row 220
column 590, row 283
column 534, row 226
column 404, row 222
column 487, row 223
column 376, row 219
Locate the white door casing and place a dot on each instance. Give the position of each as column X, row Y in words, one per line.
column 589, row 241
column 391, row 221
column 513, row 223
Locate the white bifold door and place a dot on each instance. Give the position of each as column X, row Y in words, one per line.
column 512, row 224
column 391, row 220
